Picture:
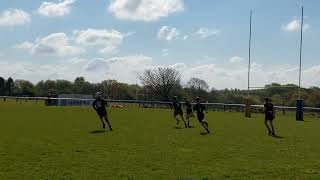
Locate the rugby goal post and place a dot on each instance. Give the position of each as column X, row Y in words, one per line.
column 300, row 103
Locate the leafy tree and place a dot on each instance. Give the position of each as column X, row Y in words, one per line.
column 197, row 87
column 109, row 88
column 197, row 84
column 161, row 84
column 10, row 86
column 64, row 87
column 2, row 86
column 42, row 88
column 24, row 88
column 161, row 81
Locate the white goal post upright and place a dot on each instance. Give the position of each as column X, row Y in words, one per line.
column 248, row 101
column 299, row 107
column 299, row 112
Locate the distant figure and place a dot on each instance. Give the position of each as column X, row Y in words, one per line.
column 99, row 105
column 188, row 111
column 48, row 100
column 200, row 108
column 269, row 115
column 178, row 111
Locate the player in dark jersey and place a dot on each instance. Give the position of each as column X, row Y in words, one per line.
column 178, row 111
column 188, row 111
column 100, row 105
column 269, row 115
column 200, row 108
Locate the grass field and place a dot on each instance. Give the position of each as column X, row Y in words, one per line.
column 40, row 142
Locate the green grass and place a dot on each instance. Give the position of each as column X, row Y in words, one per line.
column 38, row 142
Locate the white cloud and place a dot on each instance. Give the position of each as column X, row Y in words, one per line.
column 56, row 44
column 294, row 26
column 236, row 59
column 131, row 61
column 96, row 65
column 108, row 39
column 178, row 66
column 205, row 32
column 217, row 75
column 144, row 10
column 94, row 70
column 185, row 37
column 165, row 52
column 25, row 45
column 14, row 17
column 168, row 33
column 59, row 9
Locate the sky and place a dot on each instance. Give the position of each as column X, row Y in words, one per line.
column 119, row 39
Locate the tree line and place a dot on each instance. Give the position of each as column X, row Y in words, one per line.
column 160, row 84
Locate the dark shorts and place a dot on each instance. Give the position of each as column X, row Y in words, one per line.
column 189, row 111
column 178, row 112
column 200, row 117
column 269, row 116
column 102, row 113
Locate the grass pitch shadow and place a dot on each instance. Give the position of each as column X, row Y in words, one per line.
column 204, row 133
column 190, row 127
column 97, row 131
column 278, row 137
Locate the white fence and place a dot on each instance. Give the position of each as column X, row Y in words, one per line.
column 149, row 104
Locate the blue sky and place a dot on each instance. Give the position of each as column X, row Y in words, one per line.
column 118, row 39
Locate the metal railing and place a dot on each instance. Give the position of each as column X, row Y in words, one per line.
column 161, row 104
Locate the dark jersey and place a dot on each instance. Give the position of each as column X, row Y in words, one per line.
column 269, row 107
column 176, row 105
column 269, row 111
column 199, row 108
column 188, row 105
column 99, row 104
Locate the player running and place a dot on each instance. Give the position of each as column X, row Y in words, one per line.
column 188, row 111
column 178, row 111
column 269, row 115
column 100, row 105
column 200, row 108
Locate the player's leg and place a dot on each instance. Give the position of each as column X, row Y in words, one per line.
column 175, row 116
column 205, row 127
column 203, row 123
column 267, row 126
column 272, row 127
column 206, row 124
column 188, row 119
column 185, row 123
column 101, row 119
column 107, row 121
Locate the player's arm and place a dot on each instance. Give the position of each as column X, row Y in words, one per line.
column 274, row 111
column 205, row 108
column 94, row 105
column 106, row 103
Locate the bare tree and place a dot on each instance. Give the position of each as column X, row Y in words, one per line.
column 161, row 81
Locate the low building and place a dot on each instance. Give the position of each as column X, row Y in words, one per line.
column 74, row 100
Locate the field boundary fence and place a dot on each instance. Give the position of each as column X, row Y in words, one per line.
column 226, row 107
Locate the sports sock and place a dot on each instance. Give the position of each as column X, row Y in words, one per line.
column 206, row 124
